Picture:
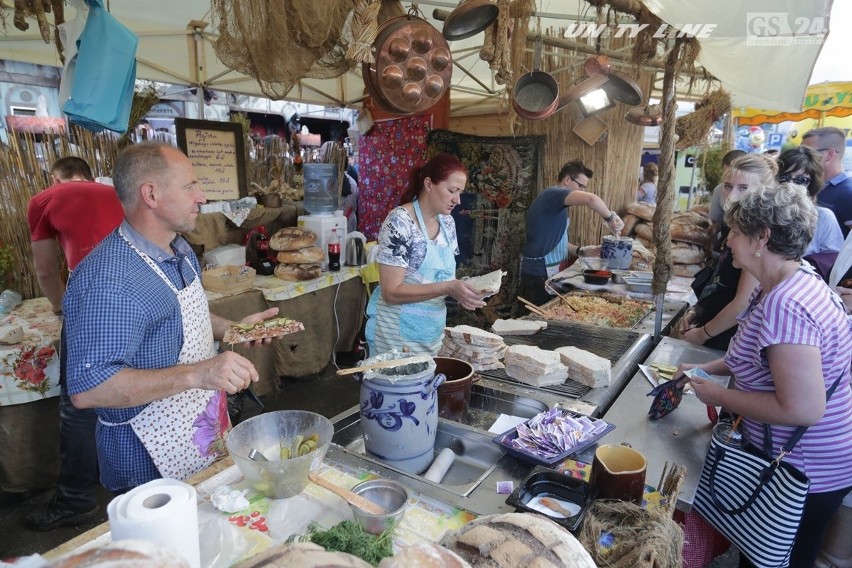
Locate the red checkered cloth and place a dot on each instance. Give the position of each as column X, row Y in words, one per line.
column 702, row 543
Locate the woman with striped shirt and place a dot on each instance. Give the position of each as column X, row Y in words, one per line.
column 793, row 342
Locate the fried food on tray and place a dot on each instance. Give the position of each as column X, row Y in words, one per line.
column 273, row 327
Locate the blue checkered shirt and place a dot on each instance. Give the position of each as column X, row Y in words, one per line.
column 119, row 314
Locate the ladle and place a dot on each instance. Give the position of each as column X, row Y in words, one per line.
column 349, row 496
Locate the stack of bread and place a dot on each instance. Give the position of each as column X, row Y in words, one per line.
column 483, row 350
column 298, row 258
column 690, row 233
column 517, row 326
column 534, row 366
column 585, row 367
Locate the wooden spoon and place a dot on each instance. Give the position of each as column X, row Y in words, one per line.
column 349, row 496
column 385, row 364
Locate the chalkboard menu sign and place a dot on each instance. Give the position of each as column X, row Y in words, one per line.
column 217, row 153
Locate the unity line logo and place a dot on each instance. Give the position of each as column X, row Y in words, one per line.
column 592, row 30
column 784, row 28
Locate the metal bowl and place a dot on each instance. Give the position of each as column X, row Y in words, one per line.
column 278, row 478
column 390, row 495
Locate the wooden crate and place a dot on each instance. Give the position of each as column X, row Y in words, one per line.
column 228, row 279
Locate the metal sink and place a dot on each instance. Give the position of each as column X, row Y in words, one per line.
column 488, row 403
column 476, row 454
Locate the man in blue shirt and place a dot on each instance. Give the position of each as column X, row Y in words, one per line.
column 547, row 244
column 140, row 336
column 830, row 142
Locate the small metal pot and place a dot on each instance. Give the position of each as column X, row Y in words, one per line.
column 535, row 94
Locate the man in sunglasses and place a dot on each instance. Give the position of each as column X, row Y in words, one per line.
column 547, row 244
column 830, row 143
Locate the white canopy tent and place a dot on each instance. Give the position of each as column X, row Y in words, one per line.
column 176, row 47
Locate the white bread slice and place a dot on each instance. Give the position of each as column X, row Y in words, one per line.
column 535, row 379
column 533, row 359
column 488, row 284
column 517, row 326
column 11, row 334
column 473, row 336
column 586, row 367
column 450, row 349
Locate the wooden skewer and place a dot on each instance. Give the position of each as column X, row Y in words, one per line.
column 385, row 364
column 532, row 307
column 562, row 297
column 349, row 496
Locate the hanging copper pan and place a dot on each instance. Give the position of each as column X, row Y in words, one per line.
column 623, row 89
column 413, row 66
column 469, row 18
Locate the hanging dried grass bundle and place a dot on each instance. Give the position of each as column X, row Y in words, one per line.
column 693, row 129
column 365, row 24
column 143, row 102
column 279, row 43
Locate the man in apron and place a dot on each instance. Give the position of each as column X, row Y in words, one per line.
column 547, row 245
column 140, row 336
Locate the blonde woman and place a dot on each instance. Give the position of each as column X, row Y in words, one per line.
column 647, row 192
column 712, row 321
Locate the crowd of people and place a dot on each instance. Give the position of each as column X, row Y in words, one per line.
column 138, row 339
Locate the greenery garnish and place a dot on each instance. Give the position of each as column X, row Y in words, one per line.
column 350, row 537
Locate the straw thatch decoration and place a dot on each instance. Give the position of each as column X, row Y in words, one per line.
column 639, row 538
column 365, row 24
column 693, row 129
column 23, row 173
column 665, row 188
column 279, row 43
column 143, row 102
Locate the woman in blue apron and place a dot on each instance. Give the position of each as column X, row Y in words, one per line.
column 417, row 266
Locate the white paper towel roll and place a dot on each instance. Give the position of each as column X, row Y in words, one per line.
column 164, row 511
column 439, row 467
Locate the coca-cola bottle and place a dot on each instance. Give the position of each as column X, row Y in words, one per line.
column 334, row 247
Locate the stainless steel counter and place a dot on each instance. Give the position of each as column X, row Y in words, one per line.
column 682, row 437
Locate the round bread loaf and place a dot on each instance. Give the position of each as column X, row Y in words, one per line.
column 687, row 253
column 424, row 555
column 644, row 230
column 644, row 211
column 123, row 554
column 511, row 540
column 630, row 221
column 292, row 238
column 305, row 255
column 298, row 272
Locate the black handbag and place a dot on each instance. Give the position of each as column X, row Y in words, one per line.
column 755, row 501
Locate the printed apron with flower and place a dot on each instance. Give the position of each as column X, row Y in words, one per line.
column 419, row 325
column 184, row 433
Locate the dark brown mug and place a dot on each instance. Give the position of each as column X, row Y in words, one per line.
column 619, row 473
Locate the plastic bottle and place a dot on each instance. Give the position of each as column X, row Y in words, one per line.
column 334, row 251
column 9, row 300
column 320, row 188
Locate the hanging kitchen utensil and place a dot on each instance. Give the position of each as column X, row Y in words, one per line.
column 469, row 18
column 651, row 115
column 536, row 94
column 597, row 65
column 623, row 89
column 413, row 65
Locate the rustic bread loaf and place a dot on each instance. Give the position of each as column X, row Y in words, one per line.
column 586, row 367
column 473, row 336
column 298, row 272
column 644, row 230
column 424, row 555
column 701, row 209
column 643, row 259
column 302, row 555
column 687, row 253
column 292, row 238
column 305, row 255
column 629, row 223
column 690, row 234
column 690, row 218
column 685, row 270
column 642, row 210
column 129, row 553
column 517, row 326
column 513, row 540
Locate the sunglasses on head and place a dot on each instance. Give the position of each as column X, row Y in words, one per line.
column 798, row 180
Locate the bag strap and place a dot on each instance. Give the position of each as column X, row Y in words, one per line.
column 768, row 471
